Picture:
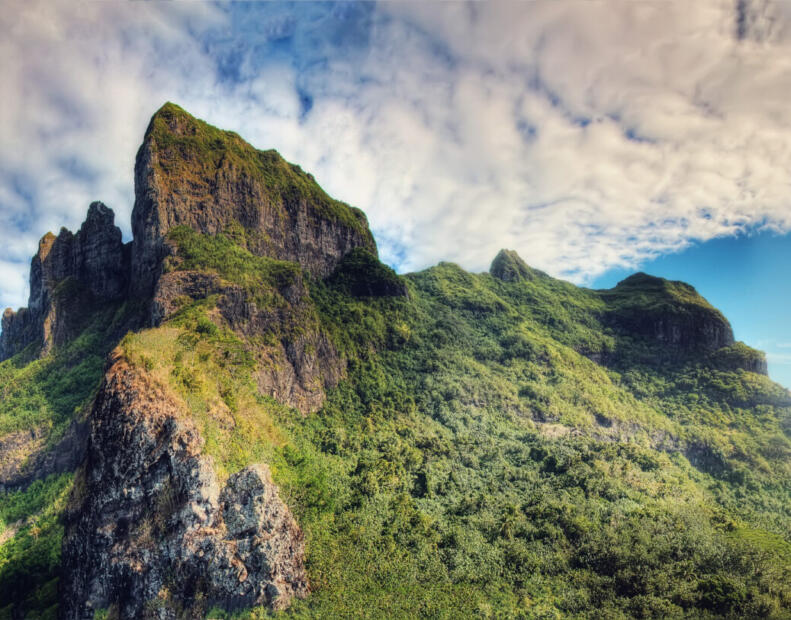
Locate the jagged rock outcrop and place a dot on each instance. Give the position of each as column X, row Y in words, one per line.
column 188, row 173
column 151, row 531
column 68, row 274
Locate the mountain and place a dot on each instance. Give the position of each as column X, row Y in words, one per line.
column 242, row 411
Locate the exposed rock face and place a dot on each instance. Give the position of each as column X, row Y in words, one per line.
column 152, row 533
column 740, row 356
column 19, row 329
column 100, row 260
column 260, row 532
column 174, row 288
column 76, row 270
column 757, row 365
column 192, row 174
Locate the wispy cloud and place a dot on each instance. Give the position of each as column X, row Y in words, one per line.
column 585, row 135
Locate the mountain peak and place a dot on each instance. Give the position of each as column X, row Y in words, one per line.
column 100, row 214
column 640, row 278
column 93, row 261
column 508, row 266
column 170, row 117
column 189, row 173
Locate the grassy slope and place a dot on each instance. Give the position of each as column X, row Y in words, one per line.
column 474, row 463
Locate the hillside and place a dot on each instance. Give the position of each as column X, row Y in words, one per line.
column 242, row 412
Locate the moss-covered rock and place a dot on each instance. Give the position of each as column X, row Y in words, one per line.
column 670, row 318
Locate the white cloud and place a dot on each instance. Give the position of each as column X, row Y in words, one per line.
column 585, row 135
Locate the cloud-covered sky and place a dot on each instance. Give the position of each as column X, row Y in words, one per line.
column 586, row 135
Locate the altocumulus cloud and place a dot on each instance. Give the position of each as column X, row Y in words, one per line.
column 585, row 135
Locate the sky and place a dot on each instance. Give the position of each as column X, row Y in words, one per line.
column 594, row 137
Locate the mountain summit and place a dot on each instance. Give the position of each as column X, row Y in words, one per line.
column 188, row 173
column 243, row 410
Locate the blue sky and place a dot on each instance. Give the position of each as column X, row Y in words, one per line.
column 593, row 137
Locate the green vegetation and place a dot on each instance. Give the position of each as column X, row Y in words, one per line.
column 46, row 394
column 362, row 275
column 260, row 276
column 651, row 293
column 199, row 144
column 475, row 461
column 30, row 542
column 208, row 371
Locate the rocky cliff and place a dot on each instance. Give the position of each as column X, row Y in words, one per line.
column 152, row 532
column 670, row 318
column 295, row 361
column 188, row 173
column 151, row 528
column 70, row 274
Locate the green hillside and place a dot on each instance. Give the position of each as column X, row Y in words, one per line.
column 475, row 462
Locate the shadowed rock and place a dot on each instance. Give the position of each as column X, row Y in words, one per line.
column 361, row 274
column 672, row 314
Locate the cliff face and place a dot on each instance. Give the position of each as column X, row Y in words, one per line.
column 152, row 529
column 295, row 360
column 188, row 173
column 69, row 274
column 671, row 317
column 148, row 515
